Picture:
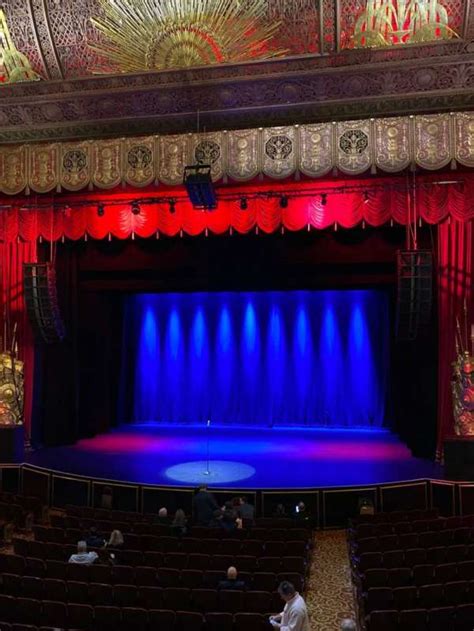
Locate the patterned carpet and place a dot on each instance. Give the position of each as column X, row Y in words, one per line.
column 330, row 596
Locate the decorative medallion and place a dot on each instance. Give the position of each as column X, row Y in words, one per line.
column 75, row 172
column 13, row 177
column 140, row 35
column 353, row 147
column 207, row 152
column 280, row 155
column 139, row 162
column 173, row 156
column 278, row 147
column 465, row 138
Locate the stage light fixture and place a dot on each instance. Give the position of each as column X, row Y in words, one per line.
column 244, row 203
column 172, row 206
column 100, row 210
column 198, row 183
column 324, row 199
column 135, row 206
column 283, row 201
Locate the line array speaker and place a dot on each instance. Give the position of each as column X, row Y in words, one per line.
column 42, row 302
column 415, row 292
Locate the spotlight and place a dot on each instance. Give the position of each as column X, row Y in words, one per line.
column 172, row 206
column 366, row 197
column 135, row 207
column 244, row 203
column 198, row 182
column 100, row 210
column 324, row 199
column 283, row 201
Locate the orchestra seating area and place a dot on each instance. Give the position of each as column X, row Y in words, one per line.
column 157, row 581
column 414, row 571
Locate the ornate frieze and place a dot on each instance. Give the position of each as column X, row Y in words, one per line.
column 352, row 147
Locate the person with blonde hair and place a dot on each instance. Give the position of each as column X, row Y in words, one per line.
column 115, row 540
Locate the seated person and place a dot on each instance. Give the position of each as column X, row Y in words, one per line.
column 301, row 514
column 82, row 556
column 163, row 517
column 246, row 511
column 231, row 582
column 116, row 540
column 279, row 511
column 179, row 523
column 94, row 539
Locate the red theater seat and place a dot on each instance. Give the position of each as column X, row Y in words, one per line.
column 189, row 621
column 219, row 621
column 80, row 616
column 248, row 622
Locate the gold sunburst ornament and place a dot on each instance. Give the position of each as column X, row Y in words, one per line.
column 142, row 35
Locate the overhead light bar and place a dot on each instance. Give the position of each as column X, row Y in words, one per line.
column 199, row 186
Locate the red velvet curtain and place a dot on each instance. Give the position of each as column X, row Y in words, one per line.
column 13, row 312
column 455, row 288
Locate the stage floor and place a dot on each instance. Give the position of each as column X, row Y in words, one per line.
column 240, row 457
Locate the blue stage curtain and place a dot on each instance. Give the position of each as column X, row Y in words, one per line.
column 300, row 358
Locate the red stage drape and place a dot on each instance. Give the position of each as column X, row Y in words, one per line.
column 379, row 206
column 455, row 288
column 13, row 312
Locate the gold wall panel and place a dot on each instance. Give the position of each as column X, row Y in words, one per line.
column 243, row 149
column 353, row 147
column 316, row 149
column 464, row 136
column 106, row 163
column 433, row 141
column 13, row 170
column 392, row 144
column 43, row 168
column 173, row 156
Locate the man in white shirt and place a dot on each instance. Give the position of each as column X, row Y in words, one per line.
column 294, row 616
column 82, row 556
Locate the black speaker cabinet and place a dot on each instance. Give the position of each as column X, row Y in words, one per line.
column 459, row 458
column 12, row 443
column 42, row 302
column 415, row 290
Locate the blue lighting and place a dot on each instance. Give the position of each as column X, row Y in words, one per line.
column 293, row 358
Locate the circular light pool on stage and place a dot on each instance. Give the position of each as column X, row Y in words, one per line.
column 220, row 471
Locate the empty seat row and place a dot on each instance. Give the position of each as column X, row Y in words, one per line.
column 396, row 516
column 424, row 596
column 423, row 525
column 436, row 619
column 56, row 532
column 25, row 611
column 415, row 556
column 151, row 543
column 430, row 539
column 418, row 575
column 146, row 576
column 182, row 561
column 173, row 598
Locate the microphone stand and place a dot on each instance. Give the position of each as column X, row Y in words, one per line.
column 207, row 471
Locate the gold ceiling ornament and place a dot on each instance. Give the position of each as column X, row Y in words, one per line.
column 395, row 22
column 14, row 65
column 143, row 35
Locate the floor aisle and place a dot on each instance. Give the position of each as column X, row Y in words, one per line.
column 330, row 596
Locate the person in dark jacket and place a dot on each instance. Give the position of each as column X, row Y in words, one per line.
column 204, row 506
column 231, row 582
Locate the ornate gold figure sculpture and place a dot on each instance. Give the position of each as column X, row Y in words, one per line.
column 14, row 65
column 158, row 34
column 391, row 22
column 463, row 383
column 11, row 386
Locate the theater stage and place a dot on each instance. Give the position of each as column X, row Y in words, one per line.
column 257, row 458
